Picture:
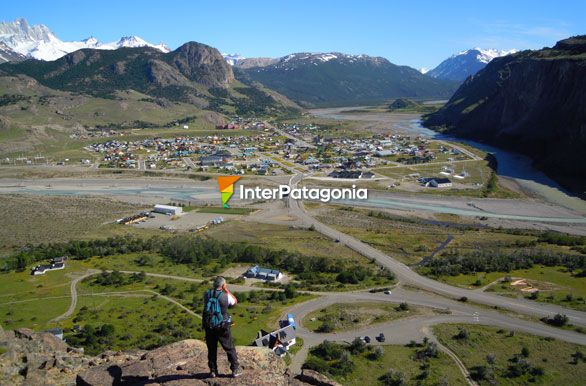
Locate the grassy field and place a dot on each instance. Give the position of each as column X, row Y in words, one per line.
column 553, row 357
column 300, row 241
column 142, row 312
column 409, row 242
column 366, row 370
column 554, row 284
column 140, row 317
column 347, row 316
column 220, row 210
column 34, row 219
column 31, row 301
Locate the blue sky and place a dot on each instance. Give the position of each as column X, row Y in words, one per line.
column 415, row 33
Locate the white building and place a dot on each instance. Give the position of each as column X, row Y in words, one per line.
column 168, row 209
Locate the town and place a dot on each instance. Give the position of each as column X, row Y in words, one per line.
column 282, row 149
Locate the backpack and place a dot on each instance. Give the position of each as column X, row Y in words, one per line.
column 212, row 313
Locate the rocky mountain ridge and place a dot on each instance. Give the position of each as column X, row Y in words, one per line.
column 532, row 102
column 33, row 358
column 39, row 42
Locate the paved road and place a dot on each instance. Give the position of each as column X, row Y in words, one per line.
column 407, row 276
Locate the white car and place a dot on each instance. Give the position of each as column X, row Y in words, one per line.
column 387, row 292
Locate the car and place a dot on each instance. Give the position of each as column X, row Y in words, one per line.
column 381, row 337
column 387, row 292
column 365, row 339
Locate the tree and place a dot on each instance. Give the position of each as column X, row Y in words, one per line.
column 525, row 352
column 403, row 307
column 290, row 291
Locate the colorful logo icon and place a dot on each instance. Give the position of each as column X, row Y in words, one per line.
column 226, row 185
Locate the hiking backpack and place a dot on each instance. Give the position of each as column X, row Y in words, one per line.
column 212, row 313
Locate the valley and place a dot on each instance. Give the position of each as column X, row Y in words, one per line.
column 120, row 172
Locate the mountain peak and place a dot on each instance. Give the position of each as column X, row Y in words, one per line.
column 465, row 63
column 39, row 42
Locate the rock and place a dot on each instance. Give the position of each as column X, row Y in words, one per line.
column 24, row 333
column 41, row 359
column 314, row 378
column 103, row 375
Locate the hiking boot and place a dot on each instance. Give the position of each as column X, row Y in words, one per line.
column 236, row 372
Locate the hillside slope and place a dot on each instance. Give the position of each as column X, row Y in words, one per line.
column 194, row 73
column 532, row 102
column 341, row 79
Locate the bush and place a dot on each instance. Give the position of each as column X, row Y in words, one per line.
column 479, row 373
column 377, row 353
column 403, row 307
column 559, row 320
column 357, row 346
column 328, row 350
column 392, row 378
column 462, row 334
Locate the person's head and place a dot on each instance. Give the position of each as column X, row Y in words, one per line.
column 219, row 283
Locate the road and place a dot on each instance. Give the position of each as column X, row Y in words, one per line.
column 298, row 141
column 407, row 276
column 73, row 289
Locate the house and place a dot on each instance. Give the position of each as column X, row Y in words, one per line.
column 348, row 174
column 439, row 183
column 383, row 153
column 56, row 264
column 257, row 272
column 279, row 340
column 211, row 160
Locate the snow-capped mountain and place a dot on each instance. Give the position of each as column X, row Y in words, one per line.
column 302, row 59
column 37, row 41
column 315, row 79
column 7, row 54
column 232, row 59
column 463, row 64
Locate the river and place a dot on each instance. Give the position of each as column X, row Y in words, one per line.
column 511, row 165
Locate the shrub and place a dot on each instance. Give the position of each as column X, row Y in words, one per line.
column 462, row 334
column 392, row 378
column 559, row 320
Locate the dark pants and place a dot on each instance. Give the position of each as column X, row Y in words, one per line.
column 224, row 336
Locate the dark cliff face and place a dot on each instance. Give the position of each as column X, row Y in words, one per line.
column 533, row 102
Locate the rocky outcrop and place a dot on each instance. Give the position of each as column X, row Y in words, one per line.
column 202, row 64
column 531, row 102
column 33, row 358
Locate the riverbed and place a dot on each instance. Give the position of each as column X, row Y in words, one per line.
column 510, row 165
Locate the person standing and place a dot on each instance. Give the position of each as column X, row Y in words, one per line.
column 217, row 325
